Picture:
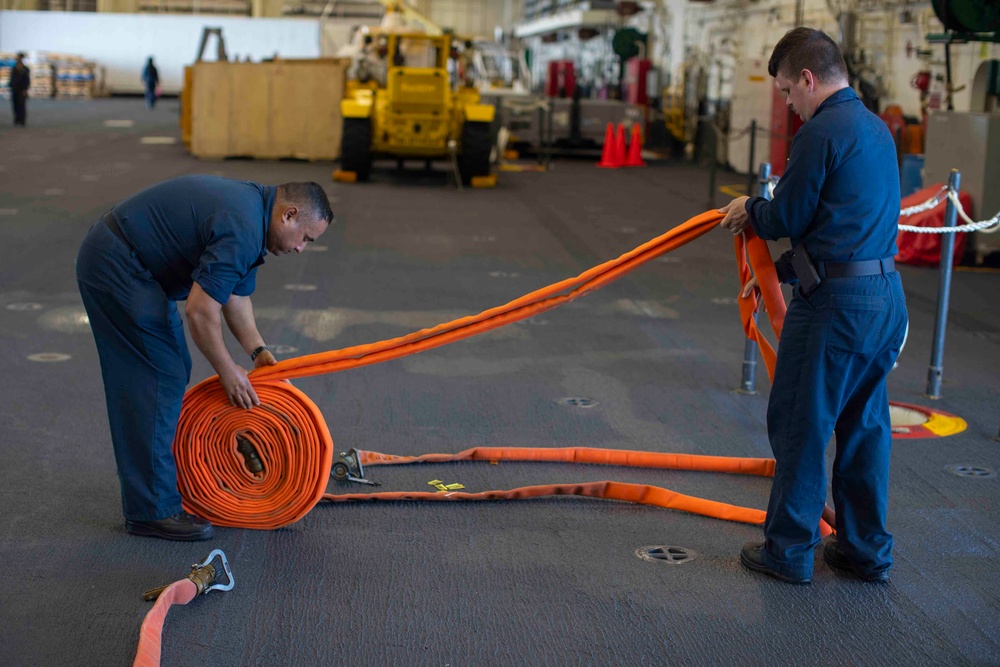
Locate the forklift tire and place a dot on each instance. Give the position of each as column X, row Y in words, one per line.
column 356, row 147
column 477, row 144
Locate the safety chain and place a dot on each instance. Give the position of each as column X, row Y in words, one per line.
column 985, row 226
column 733, row 135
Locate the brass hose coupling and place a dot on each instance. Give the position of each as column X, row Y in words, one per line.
column 214, row 574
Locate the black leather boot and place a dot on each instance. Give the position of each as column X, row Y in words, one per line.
column 182, row 526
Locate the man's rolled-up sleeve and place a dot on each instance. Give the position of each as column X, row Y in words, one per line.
column 224, row 264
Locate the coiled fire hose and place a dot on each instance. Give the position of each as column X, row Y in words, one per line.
column 293, row 449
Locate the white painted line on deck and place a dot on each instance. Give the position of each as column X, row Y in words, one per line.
column 165, row 141
column 48, row 357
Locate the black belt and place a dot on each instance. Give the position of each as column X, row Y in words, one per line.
column 111, row 223
column 868, row 267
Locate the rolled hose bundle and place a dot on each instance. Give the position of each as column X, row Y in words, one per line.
column 290, row 436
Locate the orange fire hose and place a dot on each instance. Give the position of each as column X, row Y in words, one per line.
column 179, row 592
column 294, row 445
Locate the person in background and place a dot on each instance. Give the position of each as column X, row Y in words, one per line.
column 151, row 81
column 838, row 202
column 20, row 82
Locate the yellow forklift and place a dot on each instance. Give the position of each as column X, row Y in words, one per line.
column 414, row 112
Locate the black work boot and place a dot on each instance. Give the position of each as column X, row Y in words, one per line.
column 836, row 559
column 182, row 526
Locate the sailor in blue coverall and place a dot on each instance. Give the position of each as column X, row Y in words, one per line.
column 193, row 238
column 838, row 202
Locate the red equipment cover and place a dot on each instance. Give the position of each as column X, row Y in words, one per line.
column 925, row 249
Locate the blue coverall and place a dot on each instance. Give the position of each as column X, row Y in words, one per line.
column 839, row 197
column 150, row 80
column 202, row 229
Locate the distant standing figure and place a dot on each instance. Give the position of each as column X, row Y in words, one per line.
column 20, row 81
column 151, row 78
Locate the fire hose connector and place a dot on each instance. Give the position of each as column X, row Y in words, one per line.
column 214, row 574
column 250, row 457
column 347, row 468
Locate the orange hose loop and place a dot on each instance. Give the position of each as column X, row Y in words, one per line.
column 613, row 457
column 635, row 493
column 290, row 436
column 151, row 633
column 749, row 246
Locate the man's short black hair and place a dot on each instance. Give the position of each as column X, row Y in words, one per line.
column 806, row 48
column 309, row 197
column 20, row 54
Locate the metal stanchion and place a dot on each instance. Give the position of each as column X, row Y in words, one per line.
column 549, row 142
column 542, row 144
column 752, row 161
column 936, row 369
column 748, row 384
column 712, row 156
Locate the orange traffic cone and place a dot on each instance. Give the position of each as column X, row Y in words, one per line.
column 634, row 158
column 620, row 145
column 610, row 158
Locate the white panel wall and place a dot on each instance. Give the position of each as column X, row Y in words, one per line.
column 751, row 31
column 120, row 43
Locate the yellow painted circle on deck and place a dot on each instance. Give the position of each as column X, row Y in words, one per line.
column 916, row 421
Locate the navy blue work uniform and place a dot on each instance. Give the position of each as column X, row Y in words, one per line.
column 839, row 199
column 20, row 83
column 135, row 263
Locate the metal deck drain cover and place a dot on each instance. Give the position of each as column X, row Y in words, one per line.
column 666, row 554
column 577, row 402
column 971, row 471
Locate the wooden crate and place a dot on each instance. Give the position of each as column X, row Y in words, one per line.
column 281, row 109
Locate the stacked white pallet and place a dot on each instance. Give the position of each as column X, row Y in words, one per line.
column 74, row 77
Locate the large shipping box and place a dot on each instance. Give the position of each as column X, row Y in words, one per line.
column 280, row 109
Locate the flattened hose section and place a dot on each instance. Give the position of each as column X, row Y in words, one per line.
column 151, row 632
column 643, row 494
column 293, row 444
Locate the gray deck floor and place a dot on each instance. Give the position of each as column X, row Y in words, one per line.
column 546, row 582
